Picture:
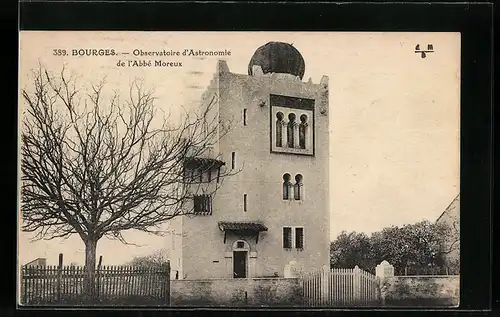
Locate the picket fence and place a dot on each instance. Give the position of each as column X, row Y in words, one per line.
column 114, row 285
column 341, row 287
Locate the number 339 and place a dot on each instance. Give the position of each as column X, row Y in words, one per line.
column 59, row 52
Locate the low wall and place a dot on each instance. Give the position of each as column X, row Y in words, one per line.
column 421, row 291
column 260, row 292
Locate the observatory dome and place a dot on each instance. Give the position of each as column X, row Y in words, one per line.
column 278, row 57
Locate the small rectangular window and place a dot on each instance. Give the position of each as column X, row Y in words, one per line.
column 203, row 204
column 299, row 238
column 233, row 160
column 245, row 202
column 287, row 237
column 244, row 116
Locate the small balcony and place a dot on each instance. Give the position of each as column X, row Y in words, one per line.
column 203, row 158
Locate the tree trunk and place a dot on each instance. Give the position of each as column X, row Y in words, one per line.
column 89, row 275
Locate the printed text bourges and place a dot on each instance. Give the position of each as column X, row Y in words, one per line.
column 139, row 52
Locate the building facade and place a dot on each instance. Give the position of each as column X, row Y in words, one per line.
column 274, row 208
column 450, row 219
column 37, row 262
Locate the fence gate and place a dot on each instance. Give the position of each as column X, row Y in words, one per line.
column 341, row 287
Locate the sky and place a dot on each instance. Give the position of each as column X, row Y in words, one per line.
column 394, row 116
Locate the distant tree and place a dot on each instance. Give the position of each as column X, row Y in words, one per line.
column 351, row 249
column 97, row 166
column 155, row 260
column 415, row 247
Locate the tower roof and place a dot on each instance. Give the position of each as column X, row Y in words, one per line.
column 278, row 57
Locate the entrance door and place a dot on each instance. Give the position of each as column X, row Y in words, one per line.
column 240, row 264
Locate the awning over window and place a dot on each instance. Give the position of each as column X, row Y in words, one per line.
column 242, row 226
column 250, row 228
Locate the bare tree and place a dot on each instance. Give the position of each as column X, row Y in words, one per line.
column 96, row 166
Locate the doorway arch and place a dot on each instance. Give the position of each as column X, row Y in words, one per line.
column 241, row 250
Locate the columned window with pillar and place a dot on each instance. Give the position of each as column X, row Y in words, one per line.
column 292, row 125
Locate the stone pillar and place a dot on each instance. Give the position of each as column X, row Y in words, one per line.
column 357, row 283
column 291, row 270
column 325, row 283
column 295, row 135
column 383, row 271
column 284, row 132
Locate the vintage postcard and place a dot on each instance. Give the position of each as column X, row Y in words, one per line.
column 239, row 169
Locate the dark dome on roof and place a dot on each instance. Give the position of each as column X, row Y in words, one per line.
column 278, row 57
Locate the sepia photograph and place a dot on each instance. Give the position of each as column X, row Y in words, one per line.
column 239, row 169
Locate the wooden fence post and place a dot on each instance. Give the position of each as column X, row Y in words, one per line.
column 167, row 286
column 98, row 278
column 24, row 285
column 59, row 278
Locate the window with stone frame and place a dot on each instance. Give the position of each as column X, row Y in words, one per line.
column 298, row 187
column 290, row 134
column 299, row 238
column 279, row 129
column 287, row 187
column 303, row 131
column 287, row 237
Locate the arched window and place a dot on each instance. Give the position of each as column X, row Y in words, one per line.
column 298, row 187
column 241, row 245
column 279, row 129
column 287, row 186
column 290, row 132
column 302, row 131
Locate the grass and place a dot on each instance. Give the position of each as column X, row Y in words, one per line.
column 422, row 302
column 133, row 300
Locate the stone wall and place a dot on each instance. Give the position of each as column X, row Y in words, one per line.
column 421, row 290
column 256, row 292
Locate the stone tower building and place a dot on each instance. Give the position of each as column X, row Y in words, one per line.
column 275, row 208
